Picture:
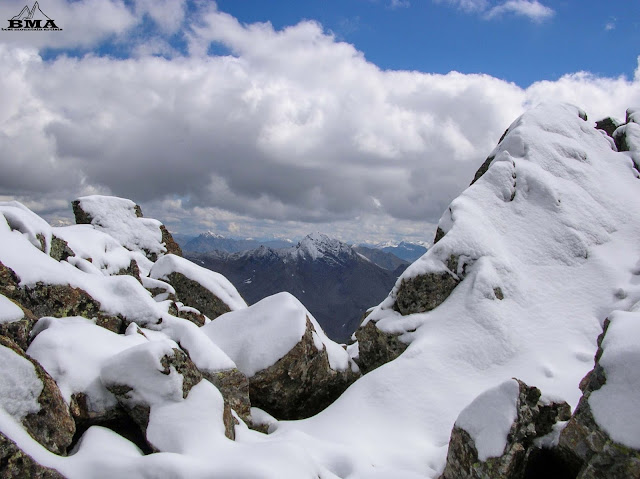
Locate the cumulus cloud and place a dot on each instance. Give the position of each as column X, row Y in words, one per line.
column 293, row 131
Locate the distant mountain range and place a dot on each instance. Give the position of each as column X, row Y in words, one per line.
column 334, row 280
column 403, row 250
column 210, row 241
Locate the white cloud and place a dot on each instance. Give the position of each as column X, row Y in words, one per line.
column 399, row 4
column 295, row 132
column 533, row 10
column 611, row 24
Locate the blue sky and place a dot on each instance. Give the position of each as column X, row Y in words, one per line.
column 361, row 119
column 587, row 35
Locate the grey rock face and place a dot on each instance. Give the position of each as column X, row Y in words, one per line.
column 589, row 449
column 301, row 383
column 608, row 125
column 534, row 419
column 16, row 464
column 377, row 347
column 52, row 426
column 193, row 294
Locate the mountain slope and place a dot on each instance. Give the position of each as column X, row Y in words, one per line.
column 333, row 281
column 210, row 241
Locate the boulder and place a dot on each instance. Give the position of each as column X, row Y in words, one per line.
column 15, row 463
column 209, row 292
column 294, row 370
column 376, row 347
column 58, row 300
column 234, row 387
column 602, row 438
column 60, row 250
column 608, row 125
column 16, row 321
column 32, row 397
column 493, row 437
column 159, row 376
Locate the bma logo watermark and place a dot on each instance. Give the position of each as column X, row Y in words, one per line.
column 32, row 19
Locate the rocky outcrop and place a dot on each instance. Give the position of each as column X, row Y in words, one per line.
column 376, row 347
column 585, row 445
column 301, row 383
column 60, row 250
column 16, row 464
column 52, row 426
column 533, row 419
column 169, row 242
column 425, row 292
column 58, row 300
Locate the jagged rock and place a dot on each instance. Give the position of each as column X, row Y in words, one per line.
column 52, row 425
column 300, row 384
column 81, row 216
column 584, row 443
column 377, row 347
column 16, row 464
column 9, row 281
column 131, row 270
column 153, row 382
column 18, row 327
column 193, row 294
column 425, row 292
column 60, row 250
column 439, row 235
column 169, row 242
column 608, row 125
column 484, row 445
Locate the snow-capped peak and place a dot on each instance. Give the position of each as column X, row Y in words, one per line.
column 318, row 245
column 211, row 234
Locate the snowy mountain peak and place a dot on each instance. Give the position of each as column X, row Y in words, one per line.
column 318, row 245
column 211, row 234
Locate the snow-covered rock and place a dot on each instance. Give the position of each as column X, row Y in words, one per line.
column 209, row 292
column 494, row 436
column 602, row 439
column 294, row 370
column 31, row 397
column 122, row 219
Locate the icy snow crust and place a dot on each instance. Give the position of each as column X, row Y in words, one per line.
column 258, row 336
column 18, row 397
column 553, row 223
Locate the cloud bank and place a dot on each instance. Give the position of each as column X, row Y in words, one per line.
column 291, row 131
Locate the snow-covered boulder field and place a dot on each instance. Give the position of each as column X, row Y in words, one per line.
column 511, row 349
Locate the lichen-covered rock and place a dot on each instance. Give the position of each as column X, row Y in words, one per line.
column 376, row 347
column 60, row 250
column 193, row 294
column 16, row 464
column 425, row 292
column 169, row 243
column 494, row 436
column 51, row 424
column 586, row 442
column 16, row 321
column 58, row 300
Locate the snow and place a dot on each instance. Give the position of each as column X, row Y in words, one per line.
column 255, row 338
column 214, row 282
column 117, row 217
column 615, row 405
column 489, row 417
column 22, row 219
column 9, row 311
column 73, row 350
column 103, row 250
column 633, row 114
column 20, row 386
